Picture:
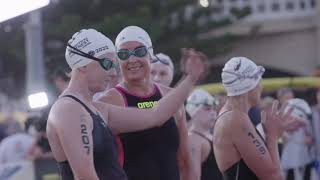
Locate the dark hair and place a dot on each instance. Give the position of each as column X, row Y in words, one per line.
column 29, row 122
column 60, row 73
column 38, row 120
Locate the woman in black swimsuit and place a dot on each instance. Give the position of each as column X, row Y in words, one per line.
column 202, row 108
column 240, row 151
column 80, row 132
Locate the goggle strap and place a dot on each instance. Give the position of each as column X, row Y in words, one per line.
column 81, row 53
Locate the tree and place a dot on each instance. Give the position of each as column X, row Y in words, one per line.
column 172, row 24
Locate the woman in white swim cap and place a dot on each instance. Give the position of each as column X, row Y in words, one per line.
column 202, row 108
column 154, row 153
column 240, row 151
column 162, row 69
column 296, row 159
column 80, row 131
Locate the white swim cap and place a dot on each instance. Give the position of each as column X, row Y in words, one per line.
column 134, row 33
column 240, row 75
column 198, row 97
column 165, row 58
column 88, row 41
column 301, row 108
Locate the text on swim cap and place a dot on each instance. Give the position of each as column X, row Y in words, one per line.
column 80, row 45
column 101, row 49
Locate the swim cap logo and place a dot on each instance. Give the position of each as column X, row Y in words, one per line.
column 248, row 71
column 79, row 45
column 82, row 44
column 238, row 65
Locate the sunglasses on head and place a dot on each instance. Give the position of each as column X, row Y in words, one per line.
column 105, row 63
column 163, row 61
column 124, row 54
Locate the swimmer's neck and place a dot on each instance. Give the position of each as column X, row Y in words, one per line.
column 79, row 87
column 239, row 103
column 198, row 128
column 140, row 87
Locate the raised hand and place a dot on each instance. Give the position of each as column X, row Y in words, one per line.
column 193, row 63
column 276, row 121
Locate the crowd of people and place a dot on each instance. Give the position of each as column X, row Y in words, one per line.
column 119, row 117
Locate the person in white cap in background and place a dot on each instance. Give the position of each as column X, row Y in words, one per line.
column 80, row 132
column 297, row 157
column 202, row 108
column 162, row 69
column 115, row 79
column 240, row 151
column 316, row 129
column 159, row 153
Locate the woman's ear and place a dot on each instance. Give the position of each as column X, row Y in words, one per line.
column 82, row 69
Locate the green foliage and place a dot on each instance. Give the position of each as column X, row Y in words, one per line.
column 165, row 20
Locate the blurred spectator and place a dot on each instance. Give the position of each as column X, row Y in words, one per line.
column 9, row 126
column 16, row 146
column 162, row 69
column 61, row 80
column 284, row 94
column 316, row 124
column 40, row 148
column 221, row 98
column 296, row 159
column 202, row 108
column 13, row 126
column 266, row 103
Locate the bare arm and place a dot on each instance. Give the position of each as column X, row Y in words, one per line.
column 120, row 119
column 259, row 157
column 184, row 154
column 74, row 127
column 195, row 149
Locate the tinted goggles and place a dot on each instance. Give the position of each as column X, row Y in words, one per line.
column 124, row 54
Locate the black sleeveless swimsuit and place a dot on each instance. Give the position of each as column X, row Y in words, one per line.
column 239, row 171
column 150, row 154
column 209, row 168
column 104, row 152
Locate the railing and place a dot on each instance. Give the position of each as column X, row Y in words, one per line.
column 268, row 9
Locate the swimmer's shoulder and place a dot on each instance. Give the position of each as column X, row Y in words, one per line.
column 65, row 109
column 112, row 96
column 163, row 89
column 232, row 118
column 234, row 114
